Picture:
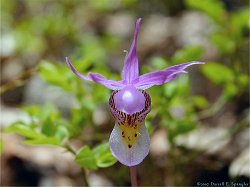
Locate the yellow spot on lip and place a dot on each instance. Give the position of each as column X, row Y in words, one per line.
column 129, row 133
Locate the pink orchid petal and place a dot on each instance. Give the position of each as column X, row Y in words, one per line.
column 162, row 76
column 130, row 70
column 95, row 77
column 113, row 85
column 75, row 71
column 129, row 156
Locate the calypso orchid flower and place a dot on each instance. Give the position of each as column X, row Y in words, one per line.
column 129, row 104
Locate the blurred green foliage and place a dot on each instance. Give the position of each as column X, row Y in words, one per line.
column 1, row 146
column 100, row 156
column 230, row 36
column 49, row 33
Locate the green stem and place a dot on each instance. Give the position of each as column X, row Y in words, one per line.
column 69, row 148
column 84, row 171
column 85, row 178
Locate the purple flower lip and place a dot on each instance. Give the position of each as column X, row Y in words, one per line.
column 129, row 103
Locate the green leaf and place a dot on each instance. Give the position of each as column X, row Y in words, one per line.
column 159, row 63
column 99, row 94
column 49, row 117
column 176, row 128
column 243, row 80
column 86, row 158
column 48, row 127
column 88, row 104
column 94, row 50
column 23, row 130
column 177, row 87
column 170, row 89
column 49, row 111
column 1, row 146
column 62, row 132
column 82, row 64
column 78, row 121
column 223, row 42
column 55, row 74
column 200, row 102
column 149, row 127
column 103, row 5
column 213, row 8
column 239, row 21
column 187, row 54
column 27, row 42
column 104, row 157
column 31, row 110
column 230, row 91
column 43, row 141
column 217, row 73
